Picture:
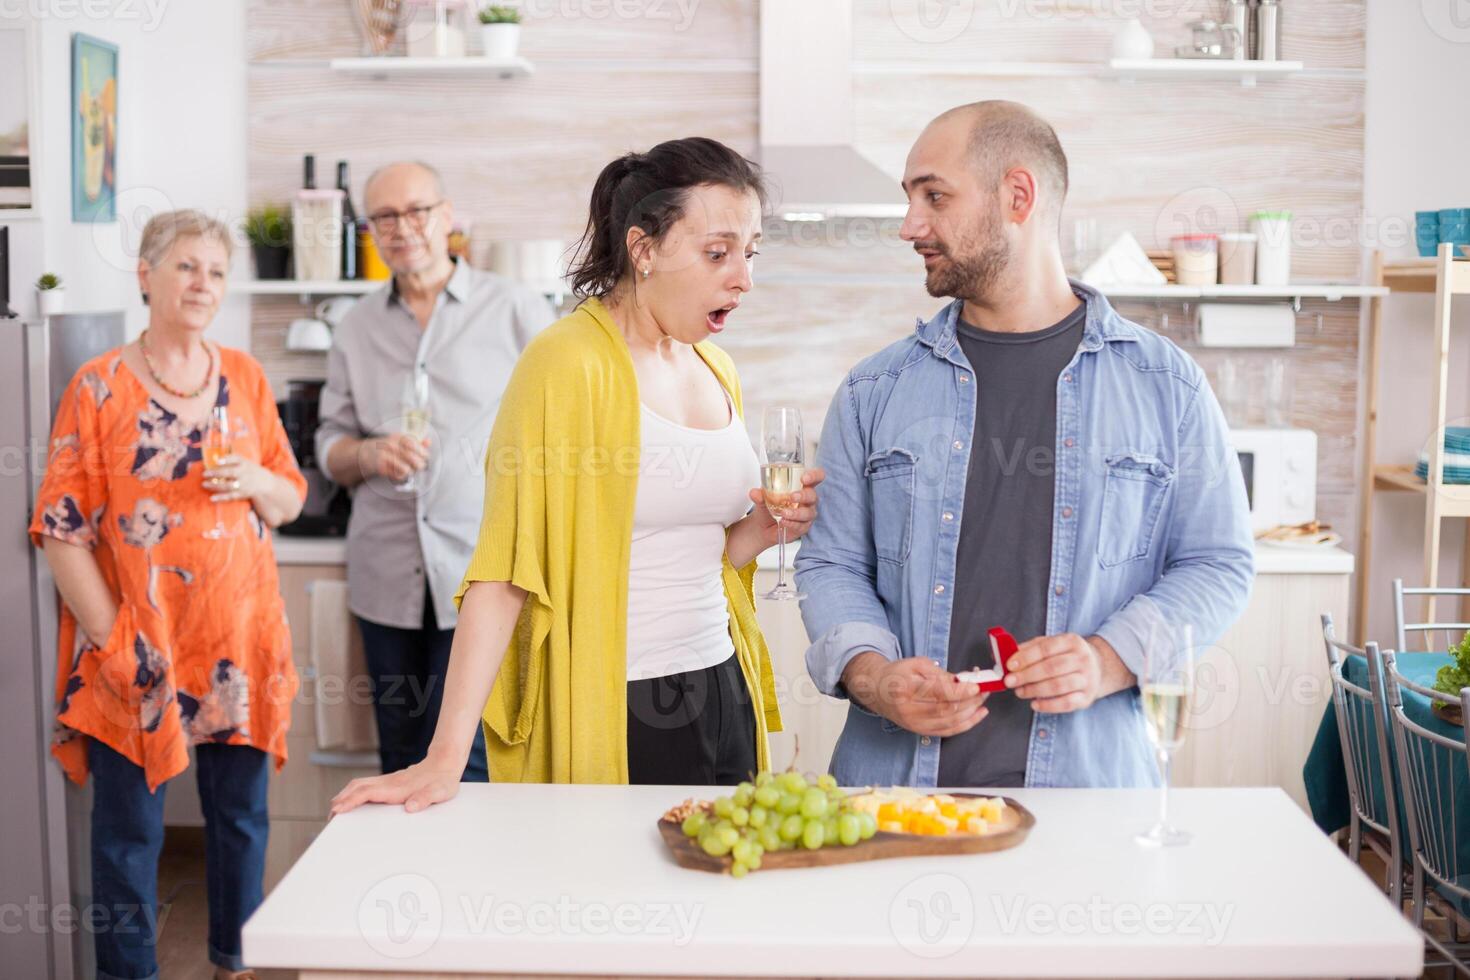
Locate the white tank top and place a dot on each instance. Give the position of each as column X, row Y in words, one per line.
column 692, row 485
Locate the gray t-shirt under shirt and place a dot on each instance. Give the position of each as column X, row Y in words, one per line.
column 1004, row 560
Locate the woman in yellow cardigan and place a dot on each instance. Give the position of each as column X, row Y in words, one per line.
column 607, row 627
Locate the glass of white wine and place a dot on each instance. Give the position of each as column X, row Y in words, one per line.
column 785, row 452
column 414, row 415
column 1167, row 685
column 218, row 445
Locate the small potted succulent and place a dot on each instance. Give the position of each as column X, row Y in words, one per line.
column 268, row 228
column 500, row 30
column 50, row 294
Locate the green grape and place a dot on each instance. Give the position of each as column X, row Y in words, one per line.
column 758, row 815
column 770, row 837
column 742, row 851
column 768, row 796
column 814, row 803
column 727, row 835
column 738, row 870
column 788, row 803
column 849, row 829
column 740, row 816
column 829, row 829
column 764, row 779
column 723, row 806
column 754, row 863
column 791, row 827
column 812, row 835
column 723, row 825
column 793, row 782
column 714, row 845
column 827, row 781
column 694, row 823
column 743, row 794
column 868, row 825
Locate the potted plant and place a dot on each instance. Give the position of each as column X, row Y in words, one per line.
column 500, row 30
column 50, row 294
column 268, row 228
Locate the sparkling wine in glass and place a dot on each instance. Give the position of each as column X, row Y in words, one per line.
column 415, row 418
column 1167, row 686
column 218, row 445
column 785, row 452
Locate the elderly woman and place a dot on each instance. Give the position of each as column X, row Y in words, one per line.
column 173, row 631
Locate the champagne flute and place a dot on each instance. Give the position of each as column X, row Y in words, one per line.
column 218, row 445
column 1167, row 685
column 414, row 414
column 785, row 450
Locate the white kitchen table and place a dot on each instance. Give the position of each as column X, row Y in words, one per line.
column 575, row 880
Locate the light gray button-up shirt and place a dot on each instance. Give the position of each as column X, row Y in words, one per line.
column 480, row 324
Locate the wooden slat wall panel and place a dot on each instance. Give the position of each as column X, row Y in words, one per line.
column 519, row 158
column 1321, row 34
column 1143, row 155
column 644, row 30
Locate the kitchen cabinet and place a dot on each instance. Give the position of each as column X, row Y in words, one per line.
column 302, row 791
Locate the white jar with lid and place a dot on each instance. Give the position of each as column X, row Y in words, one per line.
column 1273, row 247
column 1195, row 259
column 434, row 28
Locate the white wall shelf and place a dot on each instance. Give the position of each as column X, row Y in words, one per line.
column 305, row 287
column 386, row 65
column 1180, row 69
column 348, row 287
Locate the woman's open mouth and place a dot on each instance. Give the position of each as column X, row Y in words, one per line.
column 716, row 319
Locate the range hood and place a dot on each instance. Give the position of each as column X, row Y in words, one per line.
column 806, row 117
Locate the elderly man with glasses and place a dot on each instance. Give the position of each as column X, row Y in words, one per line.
column 414, row 379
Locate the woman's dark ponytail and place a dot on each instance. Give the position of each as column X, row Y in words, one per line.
column 649, row 191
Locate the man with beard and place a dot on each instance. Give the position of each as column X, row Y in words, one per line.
column 1027, row 459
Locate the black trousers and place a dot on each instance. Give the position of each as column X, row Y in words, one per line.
column 695, row 728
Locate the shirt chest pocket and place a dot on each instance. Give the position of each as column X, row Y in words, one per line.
column 890, row 474
column 1135, row 490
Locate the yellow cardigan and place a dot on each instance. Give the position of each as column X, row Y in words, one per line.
column 561, row 474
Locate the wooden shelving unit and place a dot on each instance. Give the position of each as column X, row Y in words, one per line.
column 1447, row 277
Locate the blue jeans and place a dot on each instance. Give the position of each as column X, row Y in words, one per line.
column 408, row 669
column 127, row 836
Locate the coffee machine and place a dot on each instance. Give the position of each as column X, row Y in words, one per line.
column 327, row 505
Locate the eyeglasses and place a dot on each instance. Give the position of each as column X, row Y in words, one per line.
column 386, row 222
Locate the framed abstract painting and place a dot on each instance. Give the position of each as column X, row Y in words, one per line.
column 93, row 129
column 19, row 137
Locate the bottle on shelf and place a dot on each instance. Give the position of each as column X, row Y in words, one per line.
column 351, row 260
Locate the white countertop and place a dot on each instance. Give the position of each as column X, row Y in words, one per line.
column 575, row 880
column 1270, row 559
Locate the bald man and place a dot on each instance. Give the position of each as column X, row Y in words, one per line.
column 1027, row 459
column 451, row 333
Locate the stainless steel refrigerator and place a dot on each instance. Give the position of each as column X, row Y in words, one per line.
column 45, row 876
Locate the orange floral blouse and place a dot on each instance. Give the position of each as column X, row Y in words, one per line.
column 200, row 651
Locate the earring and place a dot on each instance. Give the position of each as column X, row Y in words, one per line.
column 145, row 299
column 645, row 272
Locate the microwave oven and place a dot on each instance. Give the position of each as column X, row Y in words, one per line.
column 1280, row 471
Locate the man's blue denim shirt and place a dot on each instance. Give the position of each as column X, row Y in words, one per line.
column 1149, row 500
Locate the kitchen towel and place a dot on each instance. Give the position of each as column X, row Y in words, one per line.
column 340, row 684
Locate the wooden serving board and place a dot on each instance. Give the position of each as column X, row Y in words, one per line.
column 884, row 844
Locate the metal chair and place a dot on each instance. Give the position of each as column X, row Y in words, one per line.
column 1401, row 629
column 1427, row 761
column 1362, row 726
